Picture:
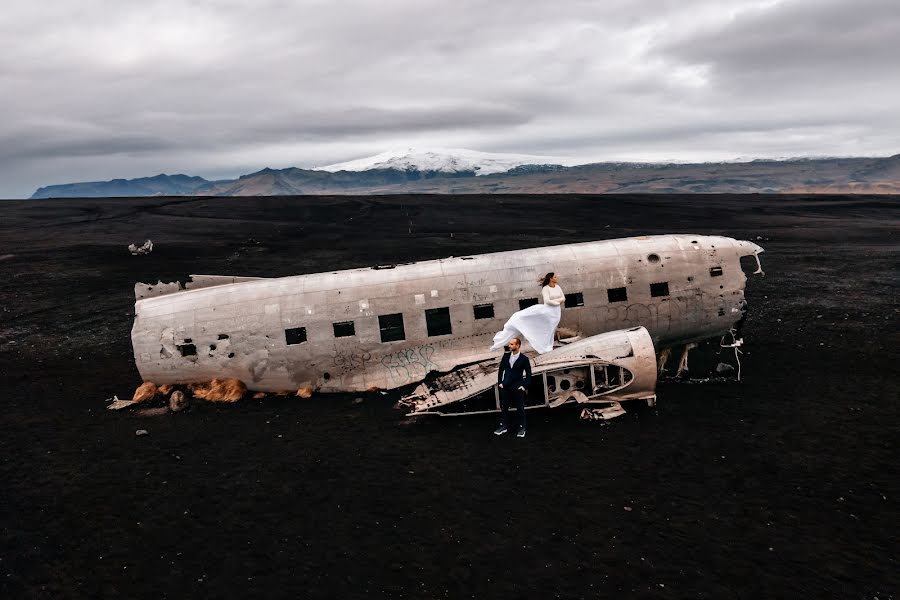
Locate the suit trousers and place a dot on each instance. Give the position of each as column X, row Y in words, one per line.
column 508, row 397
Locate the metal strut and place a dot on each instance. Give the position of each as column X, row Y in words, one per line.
column 683, row 362
column 736, row 343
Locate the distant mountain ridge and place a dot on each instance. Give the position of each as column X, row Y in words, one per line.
column 159, row 185
column 464, row 174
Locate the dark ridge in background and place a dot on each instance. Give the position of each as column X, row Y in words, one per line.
column 824, row 175
column 783, row 485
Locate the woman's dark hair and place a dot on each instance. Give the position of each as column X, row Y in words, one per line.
column 546, row 278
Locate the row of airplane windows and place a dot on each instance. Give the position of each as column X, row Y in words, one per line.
column 437, row 320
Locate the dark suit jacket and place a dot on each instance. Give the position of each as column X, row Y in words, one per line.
column 516, row 375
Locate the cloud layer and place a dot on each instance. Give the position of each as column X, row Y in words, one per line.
column 101, row 89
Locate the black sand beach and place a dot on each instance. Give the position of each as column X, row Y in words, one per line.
column 786, row 484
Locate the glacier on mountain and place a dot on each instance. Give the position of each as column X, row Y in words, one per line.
column 445, row 160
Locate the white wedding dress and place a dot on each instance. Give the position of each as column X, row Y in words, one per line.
column 537, row 323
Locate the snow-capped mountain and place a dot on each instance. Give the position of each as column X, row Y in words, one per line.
column 444, row 160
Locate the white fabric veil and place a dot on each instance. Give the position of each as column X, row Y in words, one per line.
column 537, row 324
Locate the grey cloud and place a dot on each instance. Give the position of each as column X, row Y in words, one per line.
column 365, row 121
column 106, row 88
column 673, row 133
column 806, row 38
column 41, row 147
column 167, row 131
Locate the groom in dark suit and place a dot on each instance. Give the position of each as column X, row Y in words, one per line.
column 514, row 377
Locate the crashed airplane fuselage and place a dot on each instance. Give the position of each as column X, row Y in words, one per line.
column 388, row 326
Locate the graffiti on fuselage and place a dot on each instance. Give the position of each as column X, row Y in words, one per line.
column 348, row 361
column 407, row 365
column 411, row 364
column 670, row 317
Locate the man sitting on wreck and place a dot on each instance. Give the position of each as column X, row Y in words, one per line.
column 514, row 377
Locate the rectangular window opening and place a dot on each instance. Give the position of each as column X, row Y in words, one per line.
column 483, row 311
column 391, row 327
column 526, row 302
column 437, row 320
column 344, row 329
column 659, row 289
column 715, row 271
column 295, row 335
column 574, row 299
column 187, row 349
column 617, row 294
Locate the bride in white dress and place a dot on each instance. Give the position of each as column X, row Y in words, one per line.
column 537, row 323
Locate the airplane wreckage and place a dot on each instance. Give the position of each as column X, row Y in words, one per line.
column 389, row 326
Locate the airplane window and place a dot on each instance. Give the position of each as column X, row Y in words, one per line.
column 391, row 327
column 659, row 289
column 344, row 329
column 437, row 320
column 612, row 376
column 715, row 271
column 574, row 299
column 297, row 335
column 483, row 311
column 526, row 302
column 617, row 294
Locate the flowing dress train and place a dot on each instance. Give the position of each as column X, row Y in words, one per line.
column 537, row 323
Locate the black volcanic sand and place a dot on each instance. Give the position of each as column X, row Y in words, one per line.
column 786, row 484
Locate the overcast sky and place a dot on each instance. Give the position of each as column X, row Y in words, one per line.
column 99, row 89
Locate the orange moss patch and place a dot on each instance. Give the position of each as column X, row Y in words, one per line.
column 219, row 390
column 146, row 391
